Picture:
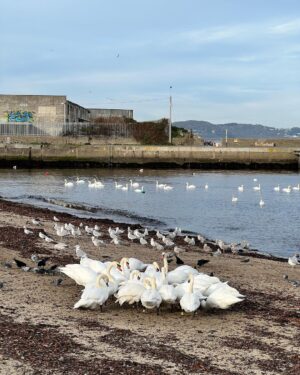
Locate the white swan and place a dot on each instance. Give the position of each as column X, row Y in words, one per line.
column 166, row 291
column 287, row 189
column 94, row 294
column 277, row 188
column 80, row 274
column 168, row 188
column 118, row 186
column 98, row 184
column 68, row 183
column 124, row 188
column 134, row 184
column 152, row 269
column 180, row 274
column 190, row 301
column 257, row 188
column 297, row 187
column 225, row 287
column 234, row 199
column 150, row 298
column 261, row 203
column 139, row 190
column 205, row 186
column 190, row 186
column 79, row 182
column 131, row 290
column 241, row 188
column 94, row 265
column 221, row 298
column 160, row 186
column 136, row 264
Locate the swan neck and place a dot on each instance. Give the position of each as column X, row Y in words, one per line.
column 166, row 266
column 191, row 286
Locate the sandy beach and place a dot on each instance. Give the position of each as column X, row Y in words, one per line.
column 41, row 333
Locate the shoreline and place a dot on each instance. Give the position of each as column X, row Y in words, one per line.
column 48, row 213
column 40, row 333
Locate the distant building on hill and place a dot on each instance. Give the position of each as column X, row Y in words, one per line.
column 50, row 110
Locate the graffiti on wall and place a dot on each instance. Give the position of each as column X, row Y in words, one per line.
column 20, row 116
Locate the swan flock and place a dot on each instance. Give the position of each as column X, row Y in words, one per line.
column 131, row 281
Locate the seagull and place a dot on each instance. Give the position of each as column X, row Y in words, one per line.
column 245, row 260
column 80, row 253
column 57, row 282
column 27, row 231
column 97, row 242
column 294, row 261
column 241, row 188
column 217, row 253
column 34, row 258
column 143, row 241
column 36, row 222
column 42, row 235
column 55, row 218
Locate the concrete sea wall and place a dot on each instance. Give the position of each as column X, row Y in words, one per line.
column 154, row 156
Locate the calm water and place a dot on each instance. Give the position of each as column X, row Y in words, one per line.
column 273, row 228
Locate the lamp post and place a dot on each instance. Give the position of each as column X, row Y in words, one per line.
column 170, row 118
column 226, row 137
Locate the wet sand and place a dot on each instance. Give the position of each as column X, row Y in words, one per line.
column 40, row 333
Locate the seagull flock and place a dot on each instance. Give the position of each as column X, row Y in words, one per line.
column 130, row 280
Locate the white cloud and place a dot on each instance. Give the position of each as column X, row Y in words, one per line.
column 290, row 27
column 213, row 35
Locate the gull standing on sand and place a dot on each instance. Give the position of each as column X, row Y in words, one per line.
column 294, row 260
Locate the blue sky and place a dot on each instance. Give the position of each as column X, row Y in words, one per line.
column 226, row 60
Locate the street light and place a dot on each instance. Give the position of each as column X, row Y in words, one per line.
column 170, row 118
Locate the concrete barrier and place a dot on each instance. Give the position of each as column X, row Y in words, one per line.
column 156, row 156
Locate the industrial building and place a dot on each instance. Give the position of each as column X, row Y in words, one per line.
column 50, row 110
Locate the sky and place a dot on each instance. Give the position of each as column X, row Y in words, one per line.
column 226, row 60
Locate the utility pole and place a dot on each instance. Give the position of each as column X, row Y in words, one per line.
column 170, row 118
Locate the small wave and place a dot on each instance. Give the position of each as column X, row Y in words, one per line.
column 104, row 211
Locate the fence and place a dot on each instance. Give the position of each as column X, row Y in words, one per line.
column 68, row 129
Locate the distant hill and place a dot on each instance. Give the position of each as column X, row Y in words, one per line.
column 211, row 131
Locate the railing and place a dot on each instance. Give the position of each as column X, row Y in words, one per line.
column 67, row 129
